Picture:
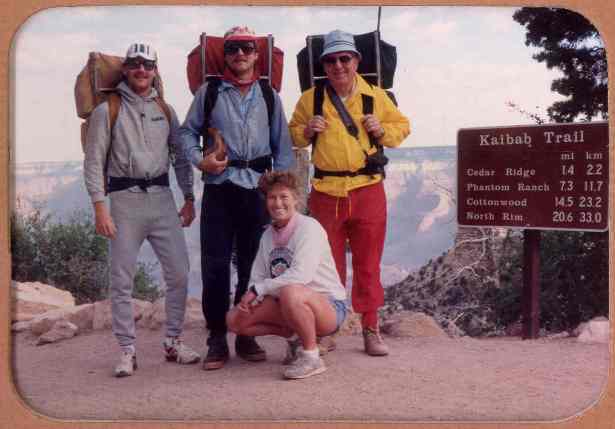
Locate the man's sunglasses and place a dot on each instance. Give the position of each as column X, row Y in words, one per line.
column 344, row 59
column 136, row 64
column 231, row 48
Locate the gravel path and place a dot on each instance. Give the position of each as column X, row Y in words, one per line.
column 421, row 380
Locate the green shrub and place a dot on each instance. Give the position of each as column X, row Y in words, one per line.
column 68, row 255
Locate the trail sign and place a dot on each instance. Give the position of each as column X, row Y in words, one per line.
column 534, row 177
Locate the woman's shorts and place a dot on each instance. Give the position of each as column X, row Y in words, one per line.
column 341, row 311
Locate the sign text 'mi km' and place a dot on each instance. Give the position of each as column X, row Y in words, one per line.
column 541, row 176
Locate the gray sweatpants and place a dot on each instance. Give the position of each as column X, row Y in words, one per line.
column 153, row 216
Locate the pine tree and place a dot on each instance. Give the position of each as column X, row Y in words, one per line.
column 570, row 43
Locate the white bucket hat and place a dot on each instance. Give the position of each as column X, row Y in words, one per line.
column 339, row 41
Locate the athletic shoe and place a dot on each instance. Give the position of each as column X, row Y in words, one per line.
column 176, row 351
column 305, row 366
column 127, row 364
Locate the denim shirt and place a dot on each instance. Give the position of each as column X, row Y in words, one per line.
column 243, row 123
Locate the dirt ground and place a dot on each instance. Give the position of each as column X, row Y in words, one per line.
column 421, row 380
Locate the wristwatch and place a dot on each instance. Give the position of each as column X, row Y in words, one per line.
column 189, row 197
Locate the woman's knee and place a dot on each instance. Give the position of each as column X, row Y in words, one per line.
column 291, row 294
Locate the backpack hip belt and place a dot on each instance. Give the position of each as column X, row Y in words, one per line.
column 260, row 164
column 121, row 183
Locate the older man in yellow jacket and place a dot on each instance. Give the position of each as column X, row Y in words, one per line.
column 347, row 196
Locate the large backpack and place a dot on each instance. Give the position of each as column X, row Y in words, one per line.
column 206, row 64
column 96, row 84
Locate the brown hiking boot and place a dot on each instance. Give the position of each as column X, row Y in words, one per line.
column 248, row 349
column 374, row 345
column 217, row 353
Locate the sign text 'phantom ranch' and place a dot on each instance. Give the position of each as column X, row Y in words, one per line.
column 542, row 176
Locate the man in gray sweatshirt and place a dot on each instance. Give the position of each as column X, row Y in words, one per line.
column 130, row 143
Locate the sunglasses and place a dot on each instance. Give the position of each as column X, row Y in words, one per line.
column 344, row 59
column 233, row 48
column 148, row 65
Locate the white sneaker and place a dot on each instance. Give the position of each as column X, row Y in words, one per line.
column 305, row 366
column 127, row 365
column 177, row 351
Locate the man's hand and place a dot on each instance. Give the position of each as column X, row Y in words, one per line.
column 372, row 126
column 315, row 125
column 211, row 165
column 247, row 301
column 104, row 223
column 187, row 213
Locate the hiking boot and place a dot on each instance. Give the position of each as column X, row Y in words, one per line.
column 176, row 351
column 127, row 364
column 292, row 347
column 248, row 349
column 305, row 366
column 217, row 353
column 374, row 345
column 325, row 344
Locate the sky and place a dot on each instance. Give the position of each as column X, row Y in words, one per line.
column 457, row 66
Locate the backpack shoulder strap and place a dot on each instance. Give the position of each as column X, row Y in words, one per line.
column 269, row 98
column 319, row 99
column 319, row 96
column 368, row 104
column 114, row 100
column 211, row 96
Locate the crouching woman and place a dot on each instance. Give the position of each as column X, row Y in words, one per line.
column 295, row 291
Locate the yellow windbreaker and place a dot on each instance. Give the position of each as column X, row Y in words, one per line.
column 336, row 149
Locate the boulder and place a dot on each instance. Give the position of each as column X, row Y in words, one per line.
column 155, row 316
column 412, row 325
column 194, row 314
column 31, row 299
column 82, row 316
column 102, row 312
column 61, row 330
column 594, row 331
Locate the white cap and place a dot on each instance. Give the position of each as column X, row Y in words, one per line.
column 141, row 50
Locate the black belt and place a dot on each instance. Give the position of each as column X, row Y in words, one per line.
column 259, row 165
column 319, row 174
column 121, row 183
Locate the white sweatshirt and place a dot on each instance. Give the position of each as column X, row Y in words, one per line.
column 306, row 260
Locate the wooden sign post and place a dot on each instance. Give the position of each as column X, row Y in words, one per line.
column 537, row 177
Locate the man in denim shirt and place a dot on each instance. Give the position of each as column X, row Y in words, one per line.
column 233, row 210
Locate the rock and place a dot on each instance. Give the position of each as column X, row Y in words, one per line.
column 352, row 324
column 102, row 312
column 155, row 316
column 194, row 314
column 31, row 299
column 412, row 325
column 22, row 317
column 61, row 330
column 20, row 326
column 515, row 329
column 594, row 331
column 82, row 316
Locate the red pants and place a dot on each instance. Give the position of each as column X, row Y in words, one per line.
column 359, row 219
